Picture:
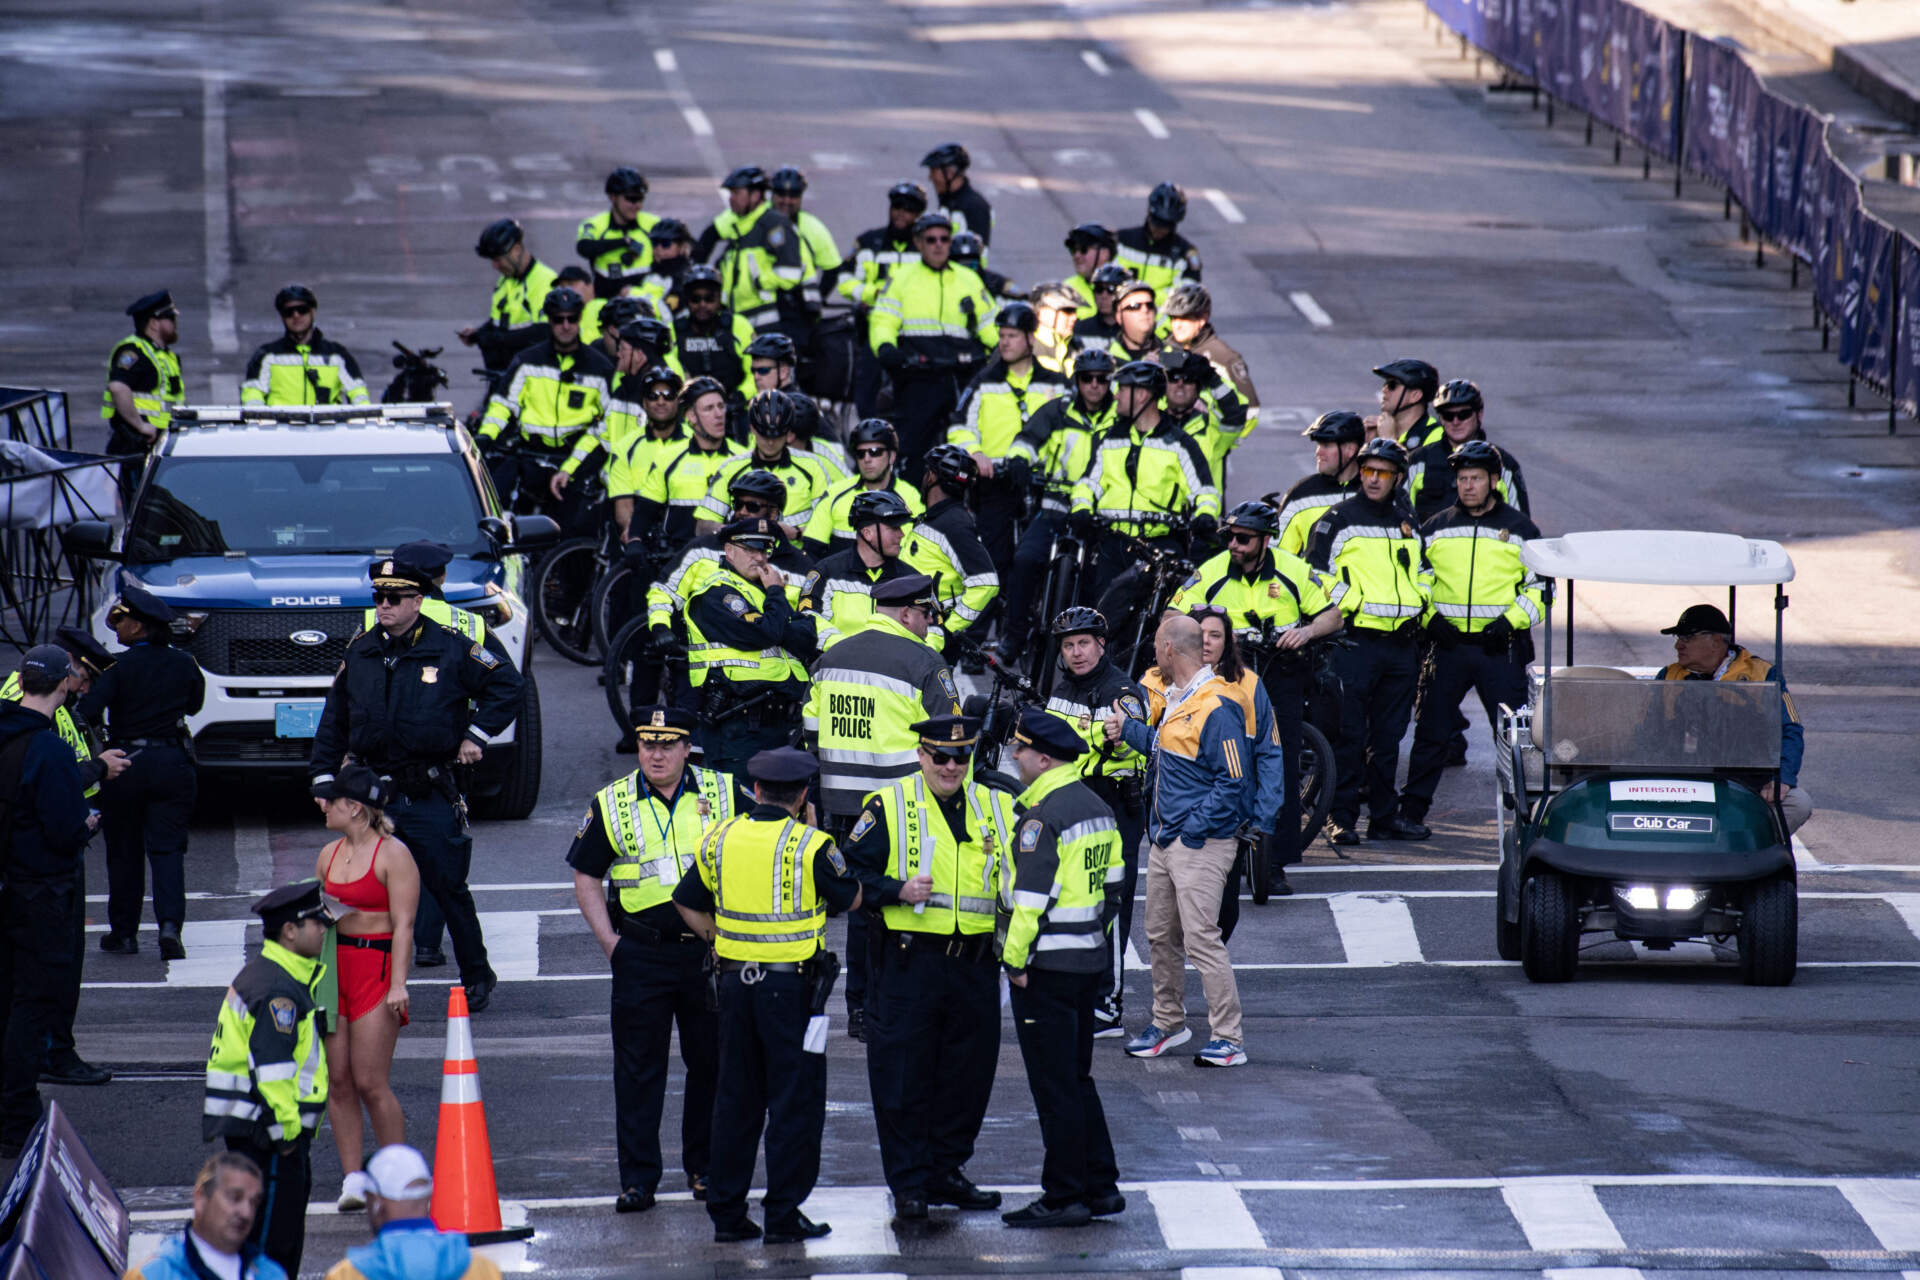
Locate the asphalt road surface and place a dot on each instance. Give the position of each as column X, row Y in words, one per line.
column 1412, row 1103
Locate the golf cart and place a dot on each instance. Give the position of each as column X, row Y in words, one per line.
column 1632, row 808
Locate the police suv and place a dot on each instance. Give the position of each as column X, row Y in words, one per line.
column 257, row 526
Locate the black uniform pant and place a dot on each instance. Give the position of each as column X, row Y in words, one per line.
column 37, row 966
column 1457, row 741
column 1377, row 677
column 1027, row 578
column 1053, row 1014
column 280, row 1228
column 730, row 741
column 657, row 985
column 145, row 812
column 1496, row 677
column 427, row 825
column 923, row 405
column 60, row 1047
column 997, row 507
column 933, row 1041
column 767, row 1080
column 1130, row 815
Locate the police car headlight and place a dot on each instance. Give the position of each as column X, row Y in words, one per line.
column 497, row 609
column 185, row 624
column 1641, row 897
column 1683, row 898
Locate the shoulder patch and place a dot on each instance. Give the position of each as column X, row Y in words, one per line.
column 736, row 603
column 835, row 859
column 777, row 236
column 1030, row 834
column 946, row 684
column 480, row 655
column 283, row 1013
column 1132, row 706
column 128, row 358
column 811, row 585
column 861, row 827
column 584, row 824
column 1239, row 371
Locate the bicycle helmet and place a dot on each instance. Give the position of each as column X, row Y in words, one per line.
column 757, row 483
column 563, row 302
column 1477, row 453
column 1090, row 235
column 1417, row 374
column 1189, row 302
column 649, row 335
column 498, row 238
column 787, row 181
column 627, row 181
column 774, row 346
column 1079, row 620
column 669, row 231
column 701, row 386
column 952, row 466
column 1167, row 203
column 1254, row 517
column 873, row 431
column 771, row 413
column 929, row 220
column 946, row 155
column 1382, row 450
column 907, row 195
column 1459, row 394
column 700, row 276
column 1193, row 367
column 750, row 177
column 968, row 249
column 806, row 415
column 1055, row 296
column 1018, row 315
column 659, row 375
column 1127, row 288
column 1093, row 360
column 1109, row 275
column 1338, row 427
column 1142, row 373
column 294, row 293
column 571, row 274
column 619, row 312
column 878, row 506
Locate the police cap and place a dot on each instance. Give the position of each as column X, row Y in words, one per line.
column 355, row 782
column 396, row 573
column 80, row 644
column 782, row 764
column 297, row 901
column 757, row 532
column 660, row 723
column 430, row 557
column 1700, row 619
column 907, row 589
column 949, row 736
column 1048, row 734
column 145, row 605
column 151, row 305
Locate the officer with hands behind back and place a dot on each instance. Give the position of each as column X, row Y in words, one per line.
column 760, row 891
column 143, row 377
column 641, row 836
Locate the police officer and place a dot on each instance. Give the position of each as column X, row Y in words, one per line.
column 675, row 492
column 930, row 329
column 144, row 700
column 1368, row 546
column 615, row 244
column 144, row 382
column 1091, row 246
column 1067, row 872
column 1190, row 328
column 672, row 259
column 931, row 852
column 773, row 416
column 1337, row 438
column 1485, row 604
column 760, row 892
column 945, row 542
column 760, row 269
column 1407, row 388
column 1058, row 310
column 1136, row 319
column 644, row 426
column 839, row 591
column 970, row 252
column 874, row 447
column 1155, row 251
column 267, row 1070
column 820, row 260
column 302, row 365
column 640, row 835
column 964, row 206
column 1089, row 687
column 432, row 558
column 993, row 411
column 876, row 253
column 1192, row 382
column 1461, row 409
column 411, row 700
column 514, row 313
column 1102, row 327
column 748, row 649
column 45, row 842
column 713, row 340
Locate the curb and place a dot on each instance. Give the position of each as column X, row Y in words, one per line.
column 1862, row 70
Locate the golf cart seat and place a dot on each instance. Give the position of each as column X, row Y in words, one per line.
column 1592, row 673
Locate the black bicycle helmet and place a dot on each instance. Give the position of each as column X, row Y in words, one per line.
column 968, row 249
column 929, row 220
column 1079, row 620
column 563, row 302
column 1459, row 394
column 771, row 414
column 1130, row 286
column 878, row 506
column 1109, row 275
column 1254, row 517
column 947, row 154
column 1338, row 427
column 498, row 238
column 1018, row 315
column 294, row 293
column 658, row 375
column 749, row 176
column 649, row 335
column 787, row 181
column 627, row 181
column 1142, row 373
column 1193, row 367
column 1167, row 203
column 701, row 386
column 806, row 415
column 1189, row 302
column 952, row 466
column 700, row 276
column 1383, row 450
column 1093, row 360
column 620, row 311
column 669, row 231
column 1090, row 235
column 874, row 431
column 907, row 195
column 1477, row 453
column 757, row 483
column 1417, row 374
column 774, row 346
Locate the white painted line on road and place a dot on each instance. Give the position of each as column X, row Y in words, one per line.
column 1152, row 123
column 1559, row 1214
column 1316, row 315
column 1803, row 857
column 1203, row 1215
column 1228, row 1273
column 513, row 943
column 698, row 122
column 219, row 231
column 253, row 851
column 1591, row 1273
column 1907, row 904
column 1134, row 962
column 1095, row 63
column 1224, row 205
column 862, row 1222
column 215, row 951
column 1890, row 1207
column 664, row 59
column 1375, row 929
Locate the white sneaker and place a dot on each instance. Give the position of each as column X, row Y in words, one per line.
column 353, row 1192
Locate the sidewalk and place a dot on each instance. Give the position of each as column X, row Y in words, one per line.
column 1873, row 45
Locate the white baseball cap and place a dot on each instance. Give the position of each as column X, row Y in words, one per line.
column 399, row 1172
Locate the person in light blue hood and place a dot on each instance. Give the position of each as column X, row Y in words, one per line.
column 406, row 1245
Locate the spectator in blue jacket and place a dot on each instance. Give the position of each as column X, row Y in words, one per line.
column 406, row 1244
column 226, row 1199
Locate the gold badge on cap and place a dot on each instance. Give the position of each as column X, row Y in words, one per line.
column 958, row 733
column 659, row 720
column 387, row 568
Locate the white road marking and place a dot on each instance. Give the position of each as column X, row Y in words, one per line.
column 1224, row 205
column 1203, row 1215
column 1907, row 904
column 1316, row 315
column 1559, row 1214
column 1095, row 63
column 862, row 1222
column 1591, row 1273
column 664, row 59
column 1227, row 1273
column 513, row 943
column 219, row 230
column 698, row 122
column 215, row 951
column 253, row 851
column 1375, row 929
column 1151, row 123
column 1803, row 857
column 1890, row 1207
column 1134, row 962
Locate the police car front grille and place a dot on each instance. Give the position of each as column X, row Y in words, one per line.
column 259, row 642
column 249, row 742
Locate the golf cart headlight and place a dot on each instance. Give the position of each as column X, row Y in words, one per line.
column 1685, row 899
column 1641, row 897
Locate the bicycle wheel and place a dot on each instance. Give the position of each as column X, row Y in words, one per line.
column 611, row 593
column 562, row 595
column 1316, row 782
column 627, row 649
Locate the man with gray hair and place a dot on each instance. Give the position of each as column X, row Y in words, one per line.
column 406, row 1244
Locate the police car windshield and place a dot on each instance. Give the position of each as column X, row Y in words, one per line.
column 289, row 506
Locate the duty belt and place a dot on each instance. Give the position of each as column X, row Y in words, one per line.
column 628, row 927
column 143, row 743
column 960, row 946
column 751, row 971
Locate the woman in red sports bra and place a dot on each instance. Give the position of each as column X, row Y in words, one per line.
column 373, row 876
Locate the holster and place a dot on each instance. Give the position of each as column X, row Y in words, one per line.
column 710, row 979
column 826, row 972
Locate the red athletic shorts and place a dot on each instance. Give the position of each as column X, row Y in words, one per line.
column 365, row 974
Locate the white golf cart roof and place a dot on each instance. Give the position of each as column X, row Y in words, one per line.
column 1660, row 558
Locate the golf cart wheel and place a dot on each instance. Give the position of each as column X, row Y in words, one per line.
column 1549, row 928
column 1506, row 934
column 1770, row 933
column 1259, row 867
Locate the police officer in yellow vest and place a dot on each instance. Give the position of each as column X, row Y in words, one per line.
column 513, row 313
column 1407, row 389
column 144, row 382
column 932, row 852
column 994, row 409
column 267, row 1070
column 302, row 365
column 615, row 244
column 760, row 891
column 640, row 836
column 761, row 268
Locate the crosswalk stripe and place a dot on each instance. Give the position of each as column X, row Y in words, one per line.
column 1224, row 1273
column 1560, row 1214
column 1908, row 905
column 1591, row 1273
column 1375, row 929
column 1203, row 1215
column 1889, row 1207
column 860, row 1218
column 215, row 951
column 513, row 943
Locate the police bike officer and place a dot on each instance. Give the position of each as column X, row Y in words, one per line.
column 760, row 891
column 411, row 700
column 1155, row 251
column 302, row 365
column 1091, row 246
column 514, row 312
column 876, row 253
column 996, row 406
column 1136, row 319
column 640, row 836
column 1100, row 328
column 932, row 851
column 874, row 447
column 964, row 206
column 839, row 590
column 1190, row 328
column 615, row 244
column 1058, row 309
column 1407, row 388
column 144, row 381
column 820, row 259
column 761, row 267
column 143, row 701
column 773, row 416
column 676, row 492
column 1337, row 438
column 945, row 542
column 1461, row 409
column 713, row 340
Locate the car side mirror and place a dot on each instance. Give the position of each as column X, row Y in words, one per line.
column 496, row 531
column 534, row 533
column 89, row 540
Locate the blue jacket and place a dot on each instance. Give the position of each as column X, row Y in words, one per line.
column 1201, row 760
column 414, row 1249
column 171, row 1263
column 49, row 827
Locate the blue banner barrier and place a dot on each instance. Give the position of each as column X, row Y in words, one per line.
column 59, row 1216
column 1906, row 382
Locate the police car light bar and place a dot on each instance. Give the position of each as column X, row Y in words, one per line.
column 438, row 413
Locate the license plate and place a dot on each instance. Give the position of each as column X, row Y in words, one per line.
column 1660, row 823
column 297, row 719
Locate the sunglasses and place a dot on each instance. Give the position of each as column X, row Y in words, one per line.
column 948, row 756
column 1182, row 377
column 762, row 370
column 1136, row 306
column 171, row 313
column 1092, row 379
column 936, row 239
column 1456, row 415
column 1392, row 384
column 872, row 451
column 751, row 507
column 661, row 395
column 1103, row 288
column 1389, row 472
column 299, row 309
column 394, row 597
column 573, row 320
column 1243, row 539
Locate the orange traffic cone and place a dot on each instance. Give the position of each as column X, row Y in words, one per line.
column 464, row 1195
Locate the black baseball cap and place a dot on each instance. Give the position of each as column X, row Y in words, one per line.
column 1699, row 618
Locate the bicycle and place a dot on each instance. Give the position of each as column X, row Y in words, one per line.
column 561, row 597
column 1166, row 568
column 637, row 565
column 998, row 715
column 1313, row 664
column 630, row 653
column 418, row 378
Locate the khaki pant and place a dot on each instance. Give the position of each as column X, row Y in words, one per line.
column 1796, row 806
column 1183, row 923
